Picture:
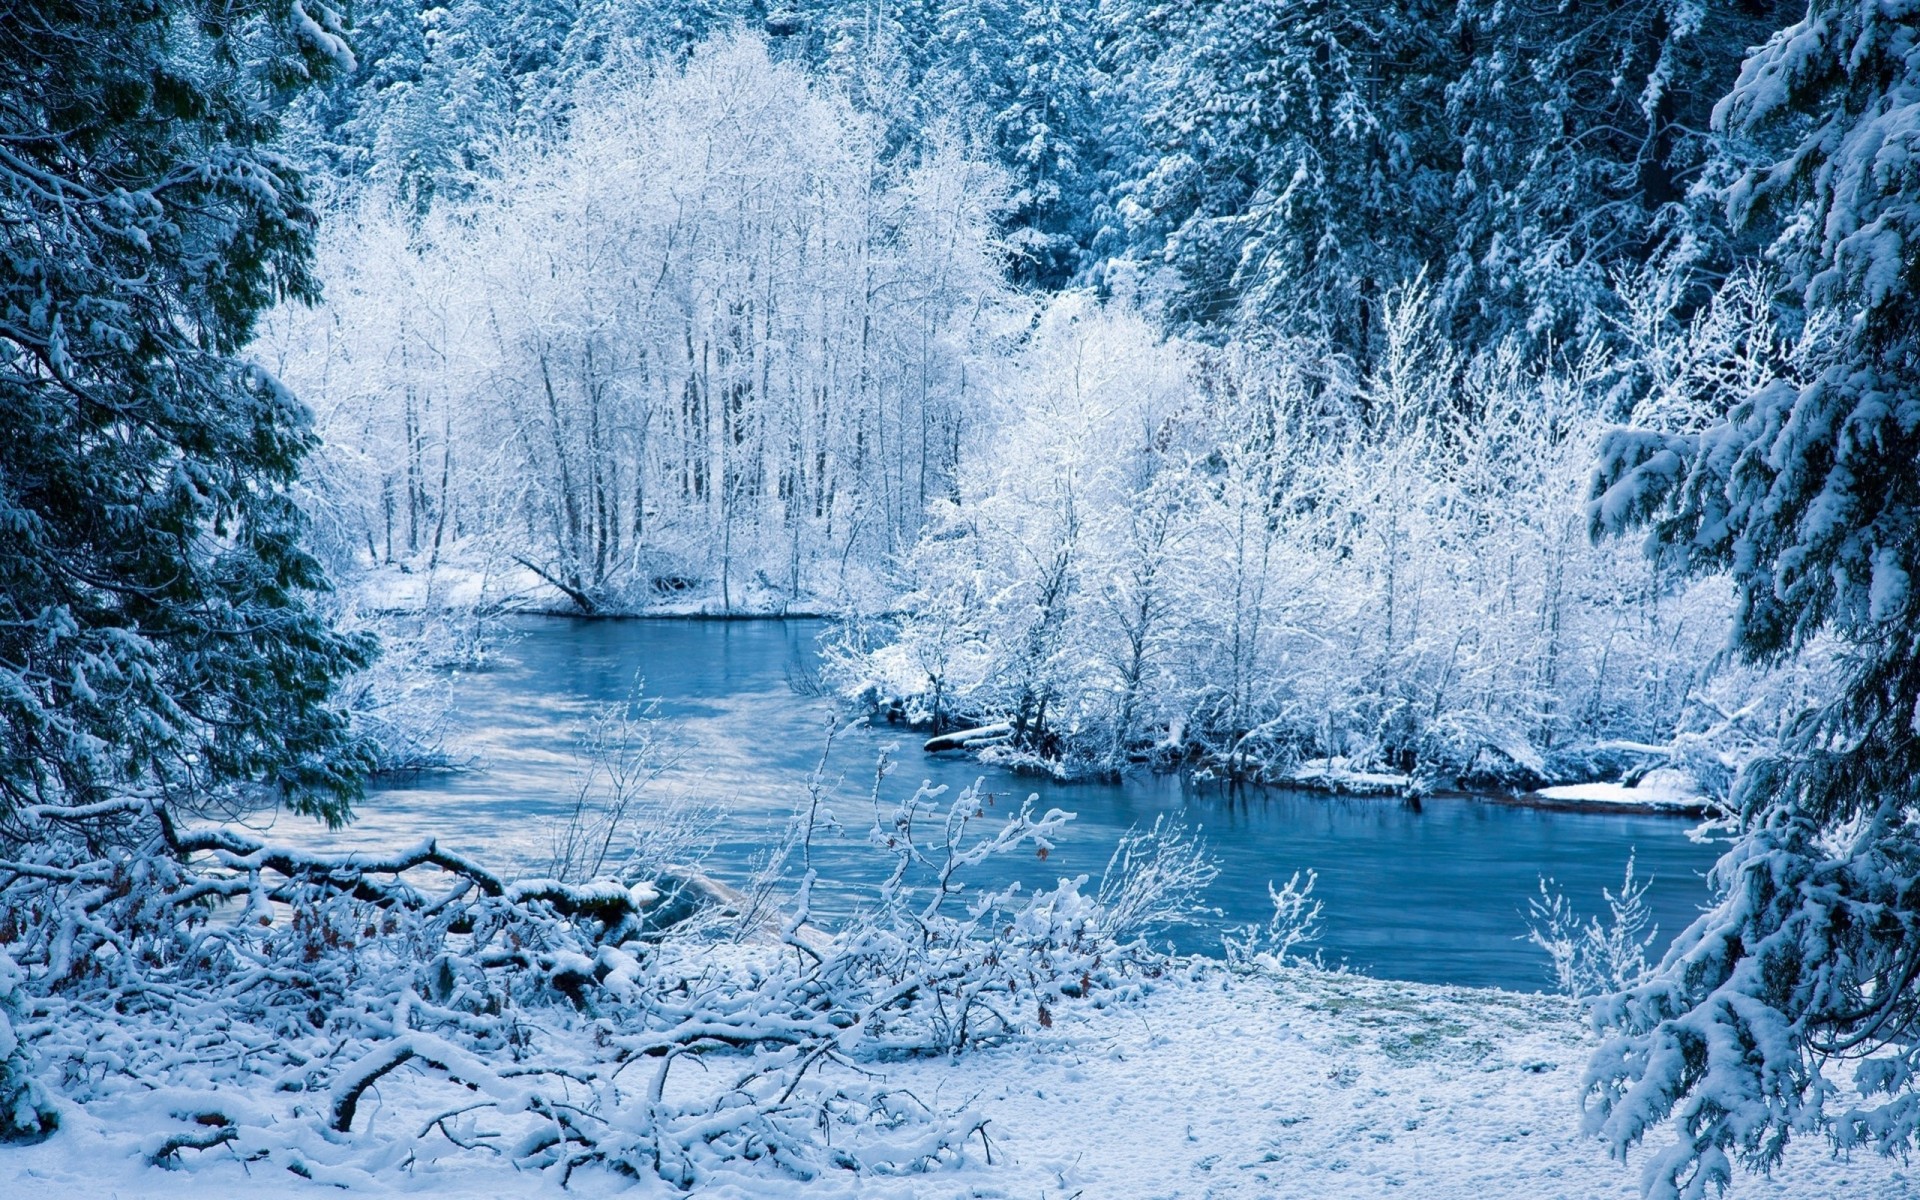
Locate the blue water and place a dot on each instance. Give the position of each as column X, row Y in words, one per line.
column 1436, row 894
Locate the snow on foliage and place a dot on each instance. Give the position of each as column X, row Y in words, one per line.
column 25, row 1114
column 1590, row 957
column 1295, row 923
column 712, row 343
column 267, row 1001
column 1253, row 558
column 161, row 626
column 1808, row 491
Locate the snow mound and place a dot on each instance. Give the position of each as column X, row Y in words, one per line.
column 1664, row 788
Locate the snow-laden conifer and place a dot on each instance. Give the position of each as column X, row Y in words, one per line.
column 1807, row 490
column 157, row 632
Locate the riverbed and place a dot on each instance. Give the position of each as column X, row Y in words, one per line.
column 1434, row 894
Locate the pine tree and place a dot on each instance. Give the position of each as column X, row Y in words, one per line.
column 439, row 87
column 1290, row 167
column 1584, row 148
column 1809, row 495
column 1029, row 67
column 157, row 624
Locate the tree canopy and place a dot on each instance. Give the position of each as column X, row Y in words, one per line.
column 1808, row 493
column 157, row 626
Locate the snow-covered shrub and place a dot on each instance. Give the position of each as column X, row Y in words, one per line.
column 25, row 1115
column 1156, row 877
column 624, row 749
column 267, row 1000
column 402, row 704
column 1591, row 957
column 1295, row 923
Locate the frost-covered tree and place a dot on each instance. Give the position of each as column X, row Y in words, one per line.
column 709, row 339
column 157, row 631
column 1808, row 492
column 1251, row 556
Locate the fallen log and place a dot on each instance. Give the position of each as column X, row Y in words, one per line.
column 968, row 739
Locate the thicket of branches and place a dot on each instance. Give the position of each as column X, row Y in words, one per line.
column 711, row 341
column 258, row 1001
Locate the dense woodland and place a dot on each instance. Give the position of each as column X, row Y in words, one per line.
column 1216, row 385
column 1172, row 382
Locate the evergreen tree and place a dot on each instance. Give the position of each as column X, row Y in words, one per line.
column 1809, row 494
column 157, row 628
column 1290, row 168
column 1295, row 160
column 439, row 87
column 1584, row 147
column 1029, row 66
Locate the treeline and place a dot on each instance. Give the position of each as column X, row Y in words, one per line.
column 1236, row 162
column 1288, row 164
column 1167, row 381
column 1256, row 557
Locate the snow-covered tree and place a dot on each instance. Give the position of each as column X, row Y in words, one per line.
column 1583, row 147
column 1808, row 491
column 157, row 631
column 1293, row 162
column 710, row 338
column 1285, row 157
column 1030, row 67
column 440, row 90
column 1252, row 556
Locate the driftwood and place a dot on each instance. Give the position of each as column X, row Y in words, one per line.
column 969, row 739
column 581, row 600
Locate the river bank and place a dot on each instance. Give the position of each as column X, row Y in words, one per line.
column 1592, row 780
column 1436, row 893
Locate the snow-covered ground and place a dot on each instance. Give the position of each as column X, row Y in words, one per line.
column 1301, row 1085
column 1659, row 789
column 459, row 585
column 1337, row 775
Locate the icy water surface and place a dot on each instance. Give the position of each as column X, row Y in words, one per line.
column 1435, row 895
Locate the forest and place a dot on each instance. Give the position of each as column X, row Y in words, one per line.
column 1447, row 398
column 1082, row 428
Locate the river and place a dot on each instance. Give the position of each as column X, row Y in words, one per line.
column 1436, row 894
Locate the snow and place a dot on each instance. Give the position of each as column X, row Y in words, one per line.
column 970, row 739
column 1299, row 1083
column 1658, row 789
column 1887, row 594
column 1334, row 775
column 457, row 584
